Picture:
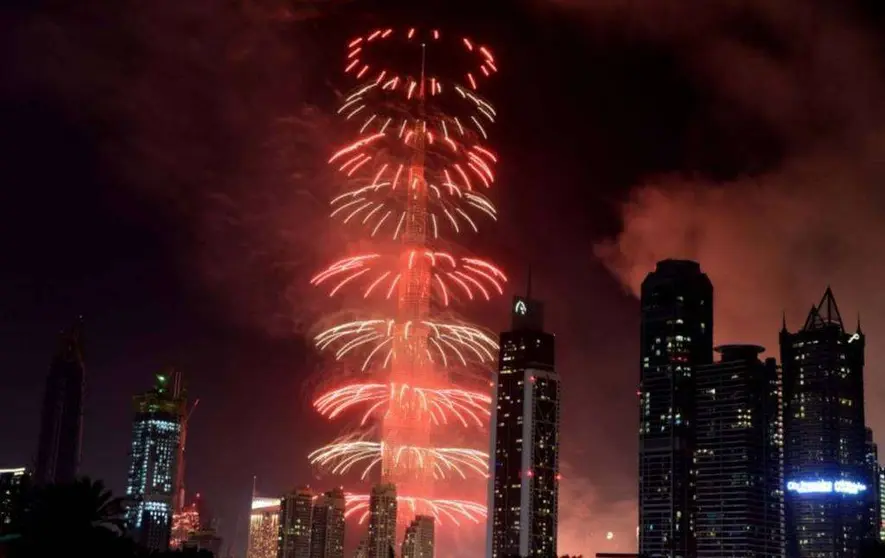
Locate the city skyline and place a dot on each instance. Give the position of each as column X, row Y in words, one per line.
column 167, row 165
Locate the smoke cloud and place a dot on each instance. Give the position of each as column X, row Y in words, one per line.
column 771, row 239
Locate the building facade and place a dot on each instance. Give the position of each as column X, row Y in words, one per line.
column 296, row 520
column 327, row 526
column 874, row 500
column 738, row 456
column 382, row 521
column 828, row 480
column 150, row 488
column 61, row 420
column 12, row 483
column 264, row 528
column 419, row 539
column 524, row 456
column 676, row 337
column 205, row 538
column 881, row 515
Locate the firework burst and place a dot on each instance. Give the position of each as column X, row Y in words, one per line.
column 440, row 405
column 418, row 166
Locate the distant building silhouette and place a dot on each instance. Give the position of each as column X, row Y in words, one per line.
column 676, row 336
column 382, row 520
column 828, row 480
column 524, row 456
column 156, row 434
column 738, row 456
column 61, row 422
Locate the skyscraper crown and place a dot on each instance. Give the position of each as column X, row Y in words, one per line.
column 825, row 314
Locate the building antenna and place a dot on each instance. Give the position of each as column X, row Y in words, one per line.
column 528, row 285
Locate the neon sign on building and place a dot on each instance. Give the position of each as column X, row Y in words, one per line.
column 826, row 487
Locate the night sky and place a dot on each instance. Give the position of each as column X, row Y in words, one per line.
column 162, row 167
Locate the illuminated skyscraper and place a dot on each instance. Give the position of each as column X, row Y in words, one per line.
column 296, row 519
column 828, row 481
column 676, row 337
column 739, row 447
column 264, row 528
column 382, row 521
column 524, row 456
column 327, row 527
column 156, row 433
column 61, row 423
column 418, row 542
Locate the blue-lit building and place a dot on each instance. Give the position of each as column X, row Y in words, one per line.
column 156, row 432
column 829, row 483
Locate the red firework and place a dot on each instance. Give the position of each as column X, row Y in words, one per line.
column 418, row 165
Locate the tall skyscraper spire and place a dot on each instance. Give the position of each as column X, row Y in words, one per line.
column 61, row 423
column 528, row 284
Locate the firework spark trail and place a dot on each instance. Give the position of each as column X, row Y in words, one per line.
column 443, row 405
column 340, row 457
column 465, row 277
column 443, row 511
column 418, row 166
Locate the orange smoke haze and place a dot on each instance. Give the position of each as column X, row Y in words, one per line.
column 771, row 234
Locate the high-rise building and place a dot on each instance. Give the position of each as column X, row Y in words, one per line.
column 382, row 521
column 12, row 482
column 327, row 527
column 264, row 528
column 827, row 477
column 418, row 542
column 676, row 337
column 61, row 422
column 738, row 456
column 362, row 550
column 156, row 432
column 881, row 516
column 296, row 519
column 874, row 498
column 524, row 456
